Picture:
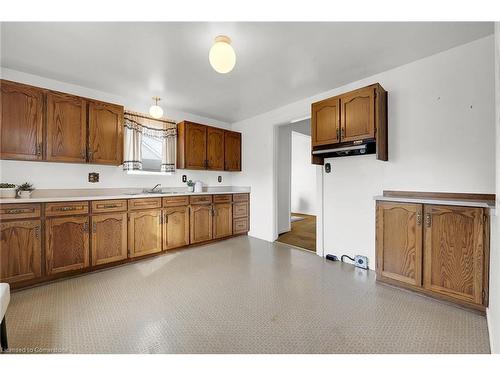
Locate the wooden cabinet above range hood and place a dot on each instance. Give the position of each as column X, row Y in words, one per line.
column 354, row 123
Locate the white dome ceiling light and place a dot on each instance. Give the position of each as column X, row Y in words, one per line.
column 155, row 110
column 222, row 56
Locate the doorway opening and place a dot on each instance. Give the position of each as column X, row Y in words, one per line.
column 297, row 190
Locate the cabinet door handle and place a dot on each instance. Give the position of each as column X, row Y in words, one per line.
column 111, row 206
column 338, row 133
column 86, row 227
column 342, row 133
column 419, row 218
column 17, row 211
column 39, row 149
column 90, row 154
column 37, row 232
column 428, row 220
column 166, row 218
column 94, row 227
column 66, row 209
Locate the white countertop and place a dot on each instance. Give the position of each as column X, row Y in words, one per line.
column 448, row 202
column 66, row 195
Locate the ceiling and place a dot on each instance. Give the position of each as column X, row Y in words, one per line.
column 277, row 63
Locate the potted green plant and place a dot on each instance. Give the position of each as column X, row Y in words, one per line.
column 190, row 185
column 7, row 190
column 24, row 190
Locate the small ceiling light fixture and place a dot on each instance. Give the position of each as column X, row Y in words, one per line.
column 155, row 110
column 222, row 56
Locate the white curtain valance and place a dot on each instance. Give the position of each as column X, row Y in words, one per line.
column 138, row 126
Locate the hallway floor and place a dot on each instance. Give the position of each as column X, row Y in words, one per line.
column 302, row 234
column 241, row 295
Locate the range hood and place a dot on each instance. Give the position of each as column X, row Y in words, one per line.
column 368, row 147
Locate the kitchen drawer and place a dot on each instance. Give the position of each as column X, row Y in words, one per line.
column 115, row 205
column 144, row 203
column 66, row 208
column 240, row 225
column 19, row 211
column 182, row 200
column 244, row 197
column 200, row 199
column 223, row 198
column 240, row 209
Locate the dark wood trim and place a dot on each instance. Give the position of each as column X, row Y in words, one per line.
column 439, row 195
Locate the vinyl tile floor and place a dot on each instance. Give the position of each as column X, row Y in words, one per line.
column 242, row 295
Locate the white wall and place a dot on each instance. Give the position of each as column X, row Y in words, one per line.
column 62, row 175
column 303, row 185
column 441, row 138
column 493, row 311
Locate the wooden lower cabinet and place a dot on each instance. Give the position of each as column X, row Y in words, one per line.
column 66, row 243
column 437, row 249
column 144, row 232
column 454, row 252
column 399, row 242
column 20, row 250
column 201, row 223
column 222, row 220
column 175, row 227
column 109, row 238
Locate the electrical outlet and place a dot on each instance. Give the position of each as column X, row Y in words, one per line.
column 93, row 177
column 184, row 178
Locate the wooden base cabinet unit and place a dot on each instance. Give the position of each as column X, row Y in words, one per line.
column 399, row 242
column 41, row 242
column 144, row 232
column 439, row 250
column 109, row 238
column 66, row 243
column 201, row 224
column 20, row 250
column 175, row 227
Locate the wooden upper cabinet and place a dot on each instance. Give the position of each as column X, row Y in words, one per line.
column 399, row 242
column 21, row 121
column 194, row 146
column 105, row 133
column 325, row 122
column 66, row 243
column 358, row 115
column 176, row 227
column 109, row 238
column 232, row 151
column 201, row 223
column 454, row 252
column 20, row 250
column 223, row 220
column 66, row 128
column 144, row 232
column 215, row 149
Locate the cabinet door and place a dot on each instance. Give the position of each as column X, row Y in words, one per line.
column 144, row 232
column 223, row 220
column 215, row 149
column 66, row 243
column 399, row 242
column 453, row 252
column 109, row 238
column 196, row 146
column 66, row 128
column 201, row 223
column 176, row 227
column 358, row 115
column 20, row 250
column 232, row 151
column 21, row 121
column 105, row 133
column 325, row 122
